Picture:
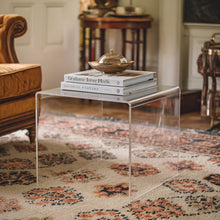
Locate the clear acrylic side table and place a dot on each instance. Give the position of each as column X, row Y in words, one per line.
column 150, row 139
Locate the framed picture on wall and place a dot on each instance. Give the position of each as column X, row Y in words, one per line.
column 202, row 11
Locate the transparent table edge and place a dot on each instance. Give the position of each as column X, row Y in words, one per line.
column 162, row 93
column 166, row 93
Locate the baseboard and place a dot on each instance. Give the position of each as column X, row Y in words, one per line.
column 190, row 101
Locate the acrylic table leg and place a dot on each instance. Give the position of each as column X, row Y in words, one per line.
column 129, row 153
column 164, row 126
column 36, row 137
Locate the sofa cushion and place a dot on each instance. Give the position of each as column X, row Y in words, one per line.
column 16, row 107
column 19, row 79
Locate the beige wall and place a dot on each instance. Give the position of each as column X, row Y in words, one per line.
column 172, row 47
column 170, row 37
column 52, row 39
column 57, row 59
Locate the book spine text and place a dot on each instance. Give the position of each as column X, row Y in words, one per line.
column 92, row 80
column 92, row 88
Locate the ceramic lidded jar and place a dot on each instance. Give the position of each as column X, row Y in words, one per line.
column 112, row 58
column 111, row 63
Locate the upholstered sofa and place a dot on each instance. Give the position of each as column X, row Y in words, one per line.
column 18, row 82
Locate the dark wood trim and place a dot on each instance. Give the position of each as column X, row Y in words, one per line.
column 190, row 101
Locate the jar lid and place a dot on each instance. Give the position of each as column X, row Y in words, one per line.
column 112, row 58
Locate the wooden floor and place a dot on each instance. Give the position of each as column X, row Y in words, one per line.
column 191, row 120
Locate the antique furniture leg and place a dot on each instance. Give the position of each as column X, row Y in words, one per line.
column 124, row 42
column 32, row 134
column 132, row 44
column 83, row 48
column 204, row 96
column 211, row 62
column 144, row 49
column 137, row 48
column 90, row 43
column 102, row 41
column 212, row 101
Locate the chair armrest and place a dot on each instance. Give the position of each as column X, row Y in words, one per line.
column 11, row 26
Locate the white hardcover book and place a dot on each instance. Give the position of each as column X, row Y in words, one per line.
column 114, row 90
column 108, row 97
column 126, row 78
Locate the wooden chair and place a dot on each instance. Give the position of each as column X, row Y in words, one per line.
column 18, row 82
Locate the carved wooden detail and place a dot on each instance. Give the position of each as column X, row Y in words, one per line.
column 209, row 66
column 10, row 28
column 21, row 113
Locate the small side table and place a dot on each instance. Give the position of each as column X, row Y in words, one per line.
column 136, row 25
column 143, row 122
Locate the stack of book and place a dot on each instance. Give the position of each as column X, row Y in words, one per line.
column 127, row 83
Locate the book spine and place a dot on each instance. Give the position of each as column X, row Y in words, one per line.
column 92, row 80
column 92, row 88
column 95, row 77
column 109, row 97
column 94, row 96
column 144, row 85
column 114, row 90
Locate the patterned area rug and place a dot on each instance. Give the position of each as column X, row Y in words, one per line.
column 84, row 172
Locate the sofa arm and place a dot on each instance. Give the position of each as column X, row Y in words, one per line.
column 11, row 26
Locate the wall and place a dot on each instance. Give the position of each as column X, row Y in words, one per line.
column 61, row 54
column 170, row 17
column 172, row 46
column 52, row 39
